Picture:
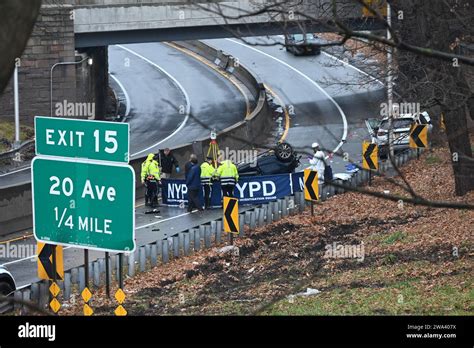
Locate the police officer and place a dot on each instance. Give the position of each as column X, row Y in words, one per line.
column 228, row 175
column 150, row 177
column 193, row 183
column 207, row 174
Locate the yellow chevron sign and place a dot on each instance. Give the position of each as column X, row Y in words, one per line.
column 311, row 187
column 370, row 156
column 378, row 5
column 419, row 136
column 231, row 215
column 45, row 261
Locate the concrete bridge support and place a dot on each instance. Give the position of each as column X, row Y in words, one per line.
column 51, row 42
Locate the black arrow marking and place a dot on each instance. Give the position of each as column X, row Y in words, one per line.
column 367, row 154
column 308, row 184
column 44, row 257
column 415, row 135
column 228, row 215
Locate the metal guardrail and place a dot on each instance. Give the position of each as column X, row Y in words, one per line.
column 12, row 153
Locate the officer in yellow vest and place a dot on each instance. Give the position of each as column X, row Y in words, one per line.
column 207, row 174
column 228, row 175
column 150, row 177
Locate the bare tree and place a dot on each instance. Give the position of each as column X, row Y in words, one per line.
column 439, row 85
column 424, row 37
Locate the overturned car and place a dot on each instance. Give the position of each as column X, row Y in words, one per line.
column 282, row 159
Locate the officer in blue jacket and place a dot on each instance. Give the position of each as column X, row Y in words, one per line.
column 193, row 183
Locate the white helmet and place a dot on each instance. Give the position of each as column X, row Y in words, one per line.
column 315, row 145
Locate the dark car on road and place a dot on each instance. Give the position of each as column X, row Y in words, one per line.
column 280, row 160
column 300, row 44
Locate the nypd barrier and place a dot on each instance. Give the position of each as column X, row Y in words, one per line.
column 249, row 190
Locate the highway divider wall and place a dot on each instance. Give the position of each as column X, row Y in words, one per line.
column 15, row 202
column 185, row 242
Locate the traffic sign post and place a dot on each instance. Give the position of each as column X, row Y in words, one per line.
column 370, row 158
column 84, row 204
column 379, row 6
column 83, row 190
column 107, row 275
column 50, row 262
column 96, row 140
column 419, row 136
column 231, row 216
column 311, row 187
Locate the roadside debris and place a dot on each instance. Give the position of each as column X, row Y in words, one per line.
column 308, row 292
column 229, row 249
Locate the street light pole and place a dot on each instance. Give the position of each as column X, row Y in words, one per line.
column 16, row 97
column 89, row 61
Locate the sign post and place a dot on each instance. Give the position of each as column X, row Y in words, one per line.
column 231, row 217
column 83, row 189
column 370, row 158
column 418, row 137
column 94, row 140
column 50, row 262
column 311, row 187
column 83, row 204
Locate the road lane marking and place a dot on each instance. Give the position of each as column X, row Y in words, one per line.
column 180, row 87
column 127, row 98
column 287, row 114
column 159, row 222
column 215, row 68
column 314, row 83
column 16, row 239
column 15, row 171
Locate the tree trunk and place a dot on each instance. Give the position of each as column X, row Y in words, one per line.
column 460, row 148
column 432, row 82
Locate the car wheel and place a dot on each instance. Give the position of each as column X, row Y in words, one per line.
column 284, row 152
column 5, row 288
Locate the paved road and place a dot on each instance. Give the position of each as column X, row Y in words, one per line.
column 324, row 94
column 171, row 94
column 323, row 112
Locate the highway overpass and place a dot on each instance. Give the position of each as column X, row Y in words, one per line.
column 104, row 22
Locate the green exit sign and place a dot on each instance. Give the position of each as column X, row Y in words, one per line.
column 98, row 140
column 84, row 204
